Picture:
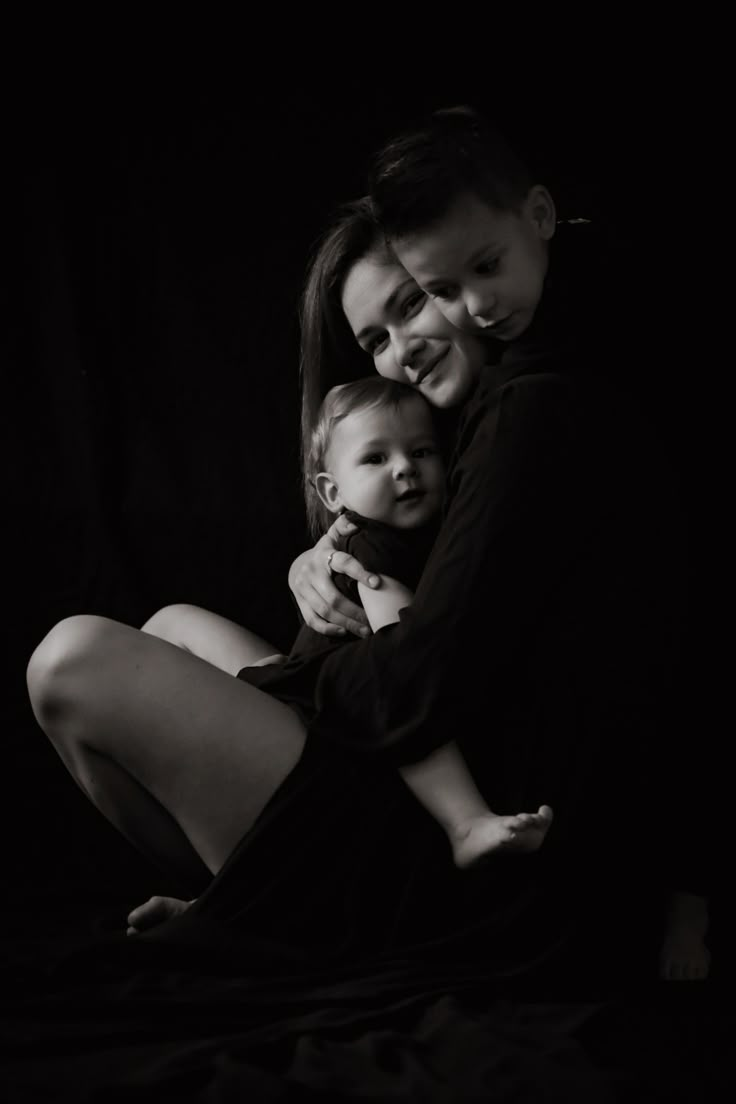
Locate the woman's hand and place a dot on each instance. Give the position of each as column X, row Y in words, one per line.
column 155, row 911
column 322, row 606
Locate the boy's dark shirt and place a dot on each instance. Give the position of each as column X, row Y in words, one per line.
column 551, row 591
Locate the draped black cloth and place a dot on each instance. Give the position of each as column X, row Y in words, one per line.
column 339, row 955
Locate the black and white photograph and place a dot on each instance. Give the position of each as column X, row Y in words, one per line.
column 361, row 738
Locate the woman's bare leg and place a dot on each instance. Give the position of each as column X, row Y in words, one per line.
column 221, row 642
column 177, row 754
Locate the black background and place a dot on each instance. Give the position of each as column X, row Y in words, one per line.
column 156, row 240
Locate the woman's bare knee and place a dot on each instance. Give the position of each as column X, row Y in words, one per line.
column 210, row 636
column 170, row 622
column 60, row 660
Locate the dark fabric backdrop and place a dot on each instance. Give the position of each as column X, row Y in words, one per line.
column 155, row 248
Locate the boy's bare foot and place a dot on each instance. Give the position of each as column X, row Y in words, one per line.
column 155, row 911
column 684, row 955
column 480, row 837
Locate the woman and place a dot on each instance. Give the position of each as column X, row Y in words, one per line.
column 179, row 755
column 185, row 759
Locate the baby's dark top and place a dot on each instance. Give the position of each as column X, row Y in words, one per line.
column 380, row 548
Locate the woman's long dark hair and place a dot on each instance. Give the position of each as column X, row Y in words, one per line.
column 329, row 352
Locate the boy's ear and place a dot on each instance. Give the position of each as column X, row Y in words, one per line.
column 328, row 491
column 540, row 208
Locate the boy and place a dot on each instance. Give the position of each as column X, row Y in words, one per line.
column 487, row 247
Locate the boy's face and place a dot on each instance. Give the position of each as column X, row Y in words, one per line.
column 385, row 463
column 484, row 268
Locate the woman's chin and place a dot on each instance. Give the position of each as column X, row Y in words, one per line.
column 445, row 393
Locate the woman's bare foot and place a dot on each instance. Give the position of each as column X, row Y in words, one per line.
column 480, row 837
column 155, row 911
column 684, row 955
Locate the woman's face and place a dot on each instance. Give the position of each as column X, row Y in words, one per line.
column 408, row 337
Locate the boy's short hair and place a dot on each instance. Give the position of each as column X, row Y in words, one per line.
column 338, row 403
column 416, row 177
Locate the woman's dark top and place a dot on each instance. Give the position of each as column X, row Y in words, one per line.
column 552, row 589
column 540, row 639
column 339, row 954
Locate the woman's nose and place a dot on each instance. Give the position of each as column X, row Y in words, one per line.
column 408, row 349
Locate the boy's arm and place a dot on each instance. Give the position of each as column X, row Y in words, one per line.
column 382, row 606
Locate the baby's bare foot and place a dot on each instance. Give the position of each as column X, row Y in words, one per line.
column 684, row 955
column 155, row 911
column 480, row 837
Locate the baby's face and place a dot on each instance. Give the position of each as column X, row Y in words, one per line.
column 386, row 464
column 484, row 268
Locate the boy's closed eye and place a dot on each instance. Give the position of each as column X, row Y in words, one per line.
column 488, row 267
column 444, row 291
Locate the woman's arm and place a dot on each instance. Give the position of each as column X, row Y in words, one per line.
column 321, row 604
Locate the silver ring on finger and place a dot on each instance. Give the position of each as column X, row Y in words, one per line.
column 329, row 561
